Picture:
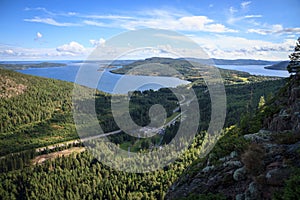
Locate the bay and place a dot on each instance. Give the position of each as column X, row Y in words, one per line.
column 256, row 70
column 122, row 84
column 109, row 82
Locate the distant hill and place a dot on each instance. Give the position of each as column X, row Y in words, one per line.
column 231, row 62
column 242, row 62
column 17, row 66
column 279, row 66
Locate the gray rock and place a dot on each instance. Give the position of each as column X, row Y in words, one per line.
column 275, row 177
column 240, row 197
column 226, row 158
column 233, row 154
column 208, row 168
column 261, row 136
column 283, row 113
column 293, row 147
column 252, row 193
column 239, row 174
column 232, row 164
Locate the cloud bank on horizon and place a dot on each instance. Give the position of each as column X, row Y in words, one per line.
column 230, row 30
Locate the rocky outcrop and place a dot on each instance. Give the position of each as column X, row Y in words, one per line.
column 226, row 177
column 261, row 171
column 9, row 88
column 288, row 118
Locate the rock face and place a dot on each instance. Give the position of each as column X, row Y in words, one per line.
column 227, row 177
column 232, row 176
column 289, row 116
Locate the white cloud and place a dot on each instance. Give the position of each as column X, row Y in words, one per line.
column 236, row 15
column 107, row 17
column 193, row 22
column 73, row 48
column 252, row 16
column 245, row 4
column 219, row 46
column 38, row 36
column 67, row 14
column 275, row 29
column 49, row 21
column 9, row 52
column 63, row 52
column 93, row 23
column 163, row 19
column 187, row 23
column 232, row 10
column 229, row 47
column 100, row 42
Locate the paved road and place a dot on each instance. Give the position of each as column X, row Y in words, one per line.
column 66, row 143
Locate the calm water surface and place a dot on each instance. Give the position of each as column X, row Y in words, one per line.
column 127, row 83
column 108, row 80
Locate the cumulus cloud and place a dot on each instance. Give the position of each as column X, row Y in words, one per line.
column 100, row 42
column 230, row 47
column 185, row 23
column 73, row 48
column 159, row 19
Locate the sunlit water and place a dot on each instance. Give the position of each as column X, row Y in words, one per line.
column 110, row 80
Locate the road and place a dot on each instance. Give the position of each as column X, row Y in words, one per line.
column 77, row 141
column 66, row 143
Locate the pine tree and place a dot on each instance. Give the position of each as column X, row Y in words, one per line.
column 294, row 65
column 261, row 102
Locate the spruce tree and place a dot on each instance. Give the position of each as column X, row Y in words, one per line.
column 294, row 65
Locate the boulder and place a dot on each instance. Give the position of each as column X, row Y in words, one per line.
column 276, row 177
column 207, row 169
column 232, row 163
column 252, row 193
column 239, row 174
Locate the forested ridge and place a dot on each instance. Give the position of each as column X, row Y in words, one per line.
column 42, row 115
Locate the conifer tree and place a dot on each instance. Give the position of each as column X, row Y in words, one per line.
column 294, row 65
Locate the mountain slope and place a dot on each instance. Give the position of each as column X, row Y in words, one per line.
column 255, row 165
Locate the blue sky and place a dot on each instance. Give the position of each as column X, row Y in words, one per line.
column 58, row 30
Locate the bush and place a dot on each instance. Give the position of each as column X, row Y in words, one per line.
column 291, row 189
column 253, row 159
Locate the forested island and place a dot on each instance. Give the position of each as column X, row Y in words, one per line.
column 30, row 65
column 279, row 66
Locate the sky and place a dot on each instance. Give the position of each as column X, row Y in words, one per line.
column 71, row 30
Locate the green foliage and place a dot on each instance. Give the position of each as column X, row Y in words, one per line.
column 294, row 64
column 261, row 102
column 42, row 116
column 286, row 138
column 230, row 141
column 291, row 189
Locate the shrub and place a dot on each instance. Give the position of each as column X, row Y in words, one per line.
column 253, row 159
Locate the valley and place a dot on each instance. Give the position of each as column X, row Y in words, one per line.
column 42, row 138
